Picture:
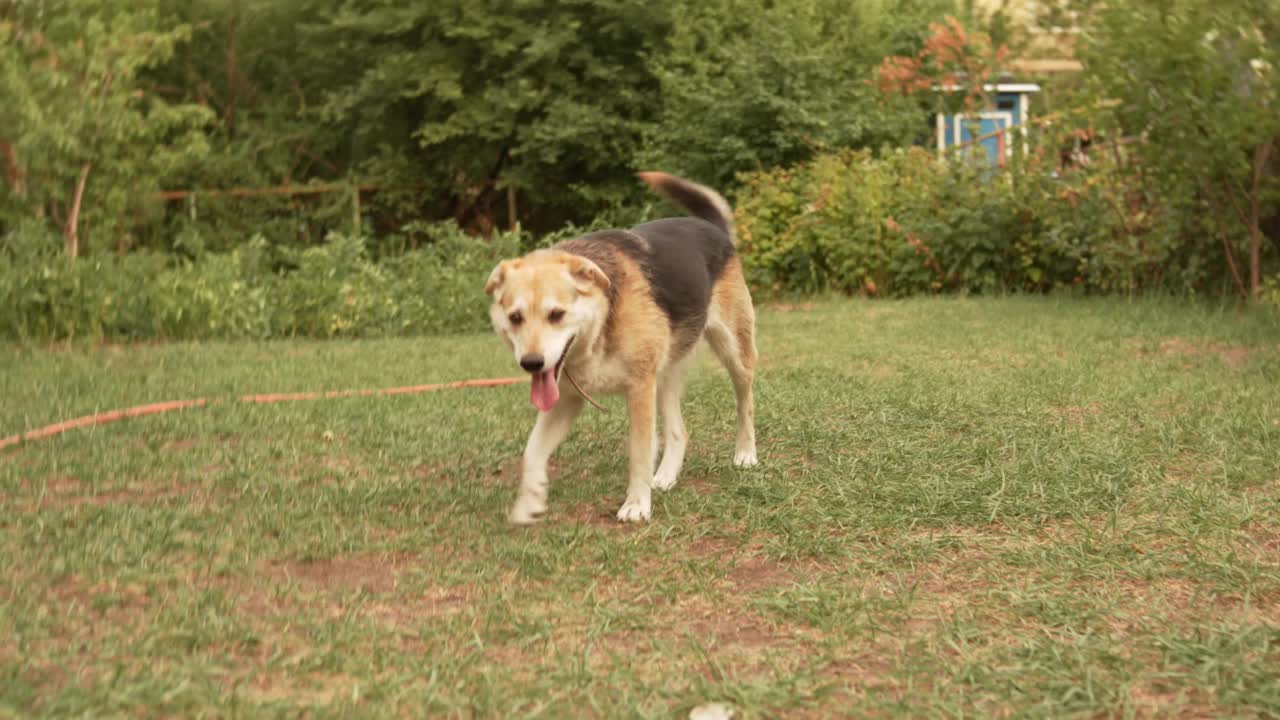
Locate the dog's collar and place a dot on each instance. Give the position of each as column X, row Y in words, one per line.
column 574, row 383
column 583, row 393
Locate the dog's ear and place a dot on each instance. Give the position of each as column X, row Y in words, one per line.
column 495, row 278
column 586, row 271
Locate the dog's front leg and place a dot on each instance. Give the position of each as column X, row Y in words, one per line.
column 550, row 430
column 641, row 404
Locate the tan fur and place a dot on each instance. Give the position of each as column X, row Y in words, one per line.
column 626, row 348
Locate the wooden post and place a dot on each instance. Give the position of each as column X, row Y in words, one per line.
column 12, row 171
column 355, row 210
column 512, row 222
column 72, row 229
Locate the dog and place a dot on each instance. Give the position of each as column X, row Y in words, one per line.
column 621, row 311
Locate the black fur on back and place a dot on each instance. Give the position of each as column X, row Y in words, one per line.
column 681, row 259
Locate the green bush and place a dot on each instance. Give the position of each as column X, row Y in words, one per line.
column 906, row 222
column 330, row 290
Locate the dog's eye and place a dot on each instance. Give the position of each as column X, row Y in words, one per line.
column 515, row 318
column 555, row 316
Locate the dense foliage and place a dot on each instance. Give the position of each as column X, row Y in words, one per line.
column 905, row 223
column 1199, row 81
column 325, row 141
column 1178, row 188
column 488, row 114
column 256, row 291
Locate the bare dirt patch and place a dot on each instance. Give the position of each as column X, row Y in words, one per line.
column 602, row 514
column 965, row 575
column 754, row 574
column 734, row 629
column 84, row 614
column 366, row 573
column 314, row 690
column 747, row 569
column 1074, row 415
column 1155, row 699
column 70, row 492
column 507, row 474
column 1233, row 356
column 1187, row 467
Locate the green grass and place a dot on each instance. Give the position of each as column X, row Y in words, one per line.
column 1036, row 507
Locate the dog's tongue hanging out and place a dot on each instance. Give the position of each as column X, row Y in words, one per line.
column 545, row 392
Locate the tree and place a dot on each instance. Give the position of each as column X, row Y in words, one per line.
column 86, row 140
column 750, row 85
column 497, row 103
column 1198, row 81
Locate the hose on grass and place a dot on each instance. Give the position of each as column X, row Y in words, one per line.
column 163, row 407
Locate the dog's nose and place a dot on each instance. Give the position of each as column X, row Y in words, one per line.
column 532, row 362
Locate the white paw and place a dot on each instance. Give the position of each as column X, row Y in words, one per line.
column 745, row 459
column 664, row 480
column 633, row 511
column 527, row 510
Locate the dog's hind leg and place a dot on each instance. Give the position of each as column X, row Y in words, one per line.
column 550, row 430
column 733, row 340
column 675, row 439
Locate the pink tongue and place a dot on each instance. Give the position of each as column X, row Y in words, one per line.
column 545, row 392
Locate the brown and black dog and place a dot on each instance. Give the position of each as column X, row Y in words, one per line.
column 621, row 311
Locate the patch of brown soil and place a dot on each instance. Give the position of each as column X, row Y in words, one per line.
column 1159, row 700
column 69, row 492
column 426, row 471
column 853, row 677
column 1267, row 538
column 746, row 568
column 314, row 689
column 1233, row 356
column 87, row 613
column 366, row 573
column 601, row 515
column 754, row 574
column 965, row 573
column 407, row 611
column 1187, row 467
column 1074, row 415
column 508, row 473
column 720, row 629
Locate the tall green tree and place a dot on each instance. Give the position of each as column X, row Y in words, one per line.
column 497, row 104
column 748, row 85
column 1199, row 82
column 88, row 141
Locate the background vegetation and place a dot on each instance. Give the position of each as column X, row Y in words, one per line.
column 342, row 133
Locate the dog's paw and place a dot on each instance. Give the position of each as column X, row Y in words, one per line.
column 745, row 459
column 527, row 510
column 634, row 511
column 664, row 480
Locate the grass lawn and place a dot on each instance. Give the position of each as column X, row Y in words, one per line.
column 964, row 507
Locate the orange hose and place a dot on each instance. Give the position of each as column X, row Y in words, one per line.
column 163, row 407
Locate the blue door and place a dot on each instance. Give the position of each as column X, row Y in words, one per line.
column 960, row 131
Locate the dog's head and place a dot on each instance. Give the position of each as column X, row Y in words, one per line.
column 543, row 303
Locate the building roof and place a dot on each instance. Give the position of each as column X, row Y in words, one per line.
column 998, row 87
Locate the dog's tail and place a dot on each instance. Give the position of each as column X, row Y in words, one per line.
column 700, row 200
